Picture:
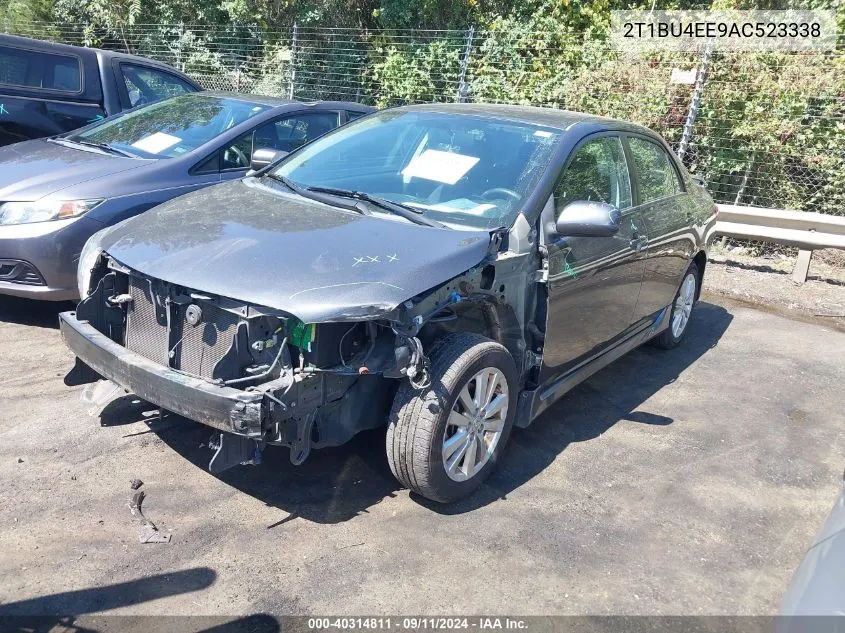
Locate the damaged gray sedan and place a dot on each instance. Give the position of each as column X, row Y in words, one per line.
column 445, row 272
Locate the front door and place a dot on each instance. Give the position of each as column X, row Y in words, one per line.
column 594, row 282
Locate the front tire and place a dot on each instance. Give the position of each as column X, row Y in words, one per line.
column 443, row 442
column 682, row 306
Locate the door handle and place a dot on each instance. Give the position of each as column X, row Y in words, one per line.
column 639, row 243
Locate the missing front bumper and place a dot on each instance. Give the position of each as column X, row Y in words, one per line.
column 223, row 408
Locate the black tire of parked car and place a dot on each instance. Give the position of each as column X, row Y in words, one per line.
column 418, row 420
column 667, row 338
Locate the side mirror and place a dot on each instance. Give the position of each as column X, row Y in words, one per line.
column 699, row 180
column 588, row 219
column 264, row 156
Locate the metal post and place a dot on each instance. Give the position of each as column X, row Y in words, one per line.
column 696, row 100
column 463, row 88
column 802, row 266
column 745, row 176
column 292, row 62
column 179, row 64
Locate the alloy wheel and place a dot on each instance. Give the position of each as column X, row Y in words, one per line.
column 475, row 424
column 683, row 305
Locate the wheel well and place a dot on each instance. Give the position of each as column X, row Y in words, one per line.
column 486, row 317
column 700, row 260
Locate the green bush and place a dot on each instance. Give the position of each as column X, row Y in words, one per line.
column 415, row 73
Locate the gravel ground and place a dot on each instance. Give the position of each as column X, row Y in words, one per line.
column 767, row 282
column 682, row 482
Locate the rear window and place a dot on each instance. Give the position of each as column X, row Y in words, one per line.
column 147, row 85
column 33, row 69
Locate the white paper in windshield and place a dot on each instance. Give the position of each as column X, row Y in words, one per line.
column 156, row 143
column 463, row 205
column 445, row 167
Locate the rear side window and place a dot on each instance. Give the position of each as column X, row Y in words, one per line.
column 147, row 85
column 657, row 176
column 285, row 134
column 34, row 69
column 351, row 115
column 299, row 129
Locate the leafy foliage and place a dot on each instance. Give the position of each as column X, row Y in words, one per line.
column 411, row 74
column 770, row 130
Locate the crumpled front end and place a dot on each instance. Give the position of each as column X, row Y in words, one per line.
column 253, row 373
column 261, row 375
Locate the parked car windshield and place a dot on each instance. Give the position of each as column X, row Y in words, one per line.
column 454, row 168
column 170, row 128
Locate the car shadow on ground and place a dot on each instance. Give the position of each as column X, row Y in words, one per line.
column 764, row 268
column 69, row 610
column 107, row 597
column 336, row 484
column 30, row 312
column 614, row 394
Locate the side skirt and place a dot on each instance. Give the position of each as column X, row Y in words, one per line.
column 534, row 402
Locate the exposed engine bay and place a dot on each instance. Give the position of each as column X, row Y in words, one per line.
column 319, row 383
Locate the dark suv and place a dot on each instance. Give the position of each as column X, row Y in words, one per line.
column 48, row 88
column 445, row 271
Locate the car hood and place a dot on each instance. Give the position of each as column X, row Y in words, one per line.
column 259, row 244
column 34, row 169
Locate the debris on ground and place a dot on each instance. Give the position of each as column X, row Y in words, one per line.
column 98, row 395
column 149, row 532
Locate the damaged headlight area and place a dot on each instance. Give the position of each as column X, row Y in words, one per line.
column 257, row 375
column 87, row 259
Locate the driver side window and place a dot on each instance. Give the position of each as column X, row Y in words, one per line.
column 598, row 173
column 237, row 155
column 285, row 134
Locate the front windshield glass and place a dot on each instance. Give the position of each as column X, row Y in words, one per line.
column 170, row 128
column 454, row 168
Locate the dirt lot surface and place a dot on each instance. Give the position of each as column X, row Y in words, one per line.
column 682, row 482
column 767, row 282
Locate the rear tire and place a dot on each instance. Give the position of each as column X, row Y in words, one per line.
column 443, row 442
column 682, row 306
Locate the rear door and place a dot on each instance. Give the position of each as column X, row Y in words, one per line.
column 663, row 204
column 594, row 282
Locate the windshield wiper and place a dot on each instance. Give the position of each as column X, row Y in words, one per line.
column 100, row 146
column 409, row 213
column 314, row 195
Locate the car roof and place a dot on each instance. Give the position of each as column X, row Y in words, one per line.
column 56, row 47
column 281, row 101
column 563, row 120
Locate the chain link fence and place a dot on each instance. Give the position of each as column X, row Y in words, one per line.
column 763, row 129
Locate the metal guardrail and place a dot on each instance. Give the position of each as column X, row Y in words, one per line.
column 805, row 230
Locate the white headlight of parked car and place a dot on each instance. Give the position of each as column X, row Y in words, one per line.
column 44, row 210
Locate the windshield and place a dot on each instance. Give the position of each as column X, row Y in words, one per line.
column 454, row 168
column 170, row 128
